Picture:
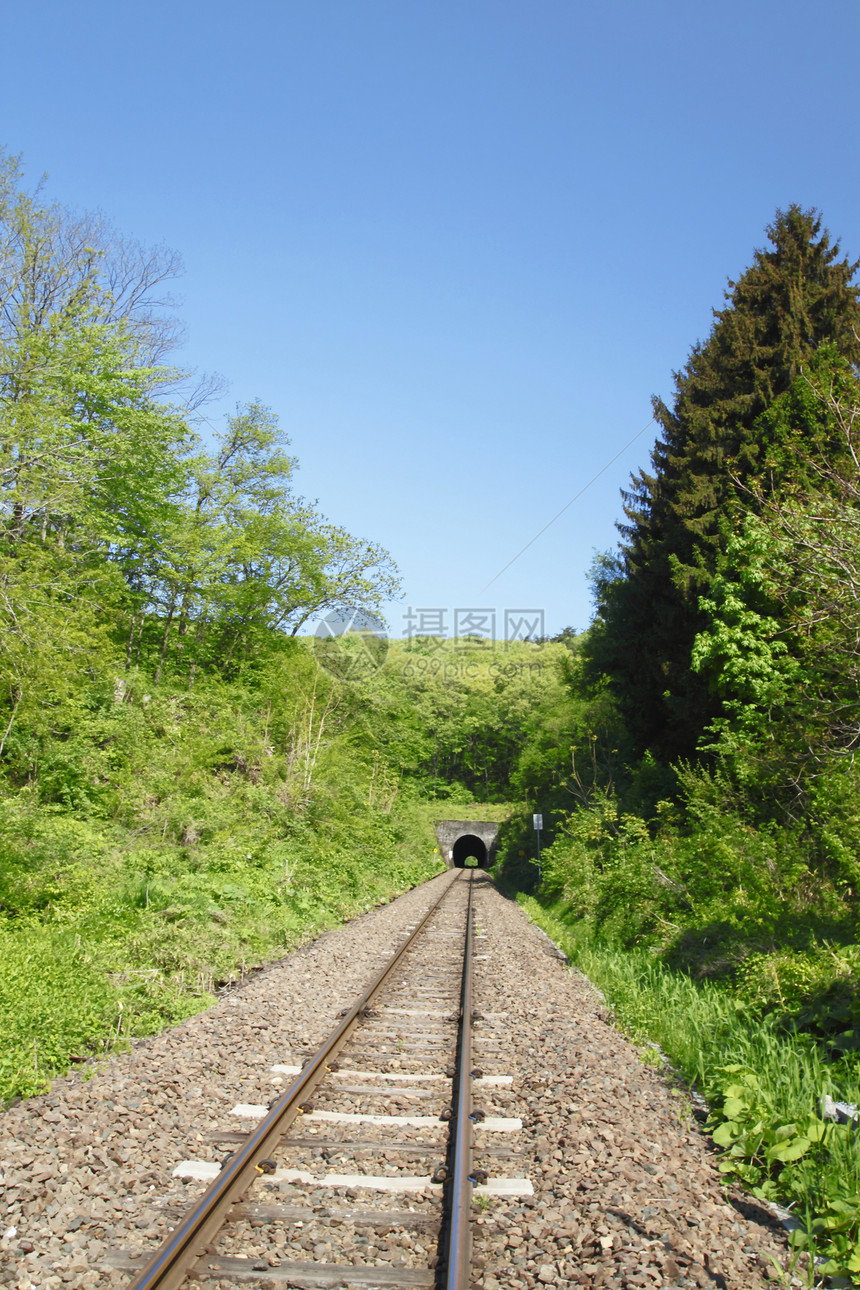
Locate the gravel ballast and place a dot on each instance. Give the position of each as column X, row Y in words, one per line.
column 626, row 1191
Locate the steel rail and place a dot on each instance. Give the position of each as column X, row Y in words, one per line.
column 458, row 1276
column 176, row 1256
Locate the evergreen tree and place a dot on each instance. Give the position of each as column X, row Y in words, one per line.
column 797, row 296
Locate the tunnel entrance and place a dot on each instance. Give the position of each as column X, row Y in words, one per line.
column 469, row 852
column 462, row 841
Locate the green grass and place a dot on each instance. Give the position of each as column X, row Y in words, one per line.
column 101, row 941
column 762, row 1082
column 486, row 812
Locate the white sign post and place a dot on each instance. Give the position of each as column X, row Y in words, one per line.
column 537, row 821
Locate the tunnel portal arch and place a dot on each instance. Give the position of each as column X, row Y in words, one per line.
column 469, row 847
column 459, row 839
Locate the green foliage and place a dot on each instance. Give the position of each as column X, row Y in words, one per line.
column 118, row 526
column 780, row 645
column 757, row 1147
column 471, row 719
column 175, row 837
column 745, row 650
column 763, row 1083
column 54, row 1002
column 176, row 860
column 796, row 299
column 184, row 791
column 810, row 1161
column 706, row 891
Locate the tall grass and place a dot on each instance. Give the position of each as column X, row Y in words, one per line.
column 763, row 1083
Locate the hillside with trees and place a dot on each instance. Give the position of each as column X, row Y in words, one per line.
column 190, row 781
column 721, row 665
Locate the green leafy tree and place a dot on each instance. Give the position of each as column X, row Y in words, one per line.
column 244, row 556
column 90, row 454
column 782, row 643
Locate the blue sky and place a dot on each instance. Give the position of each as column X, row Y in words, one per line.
column 456, row 246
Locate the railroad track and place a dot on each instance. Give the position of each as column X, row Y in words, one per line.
column 365, row 1163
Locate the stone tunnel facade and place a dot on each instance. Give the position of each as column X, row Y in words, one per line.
column 460, row 839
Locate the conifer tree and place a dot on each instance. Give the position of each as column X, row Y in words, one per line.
column 797, row 295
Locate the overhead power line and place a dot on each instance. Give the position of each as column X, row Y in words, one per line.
column 568, row 505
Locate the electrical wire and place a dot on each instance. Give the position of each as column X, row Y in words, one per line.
column 567, row 507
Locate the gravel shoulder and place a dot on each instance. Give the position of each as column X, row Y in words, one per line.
column 626, row 1191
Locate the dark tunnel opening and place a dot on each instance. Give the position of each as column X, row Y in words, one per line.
column 468, row 847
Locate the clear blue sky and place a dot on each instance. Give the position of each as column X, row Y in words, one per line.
column 456, row 246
